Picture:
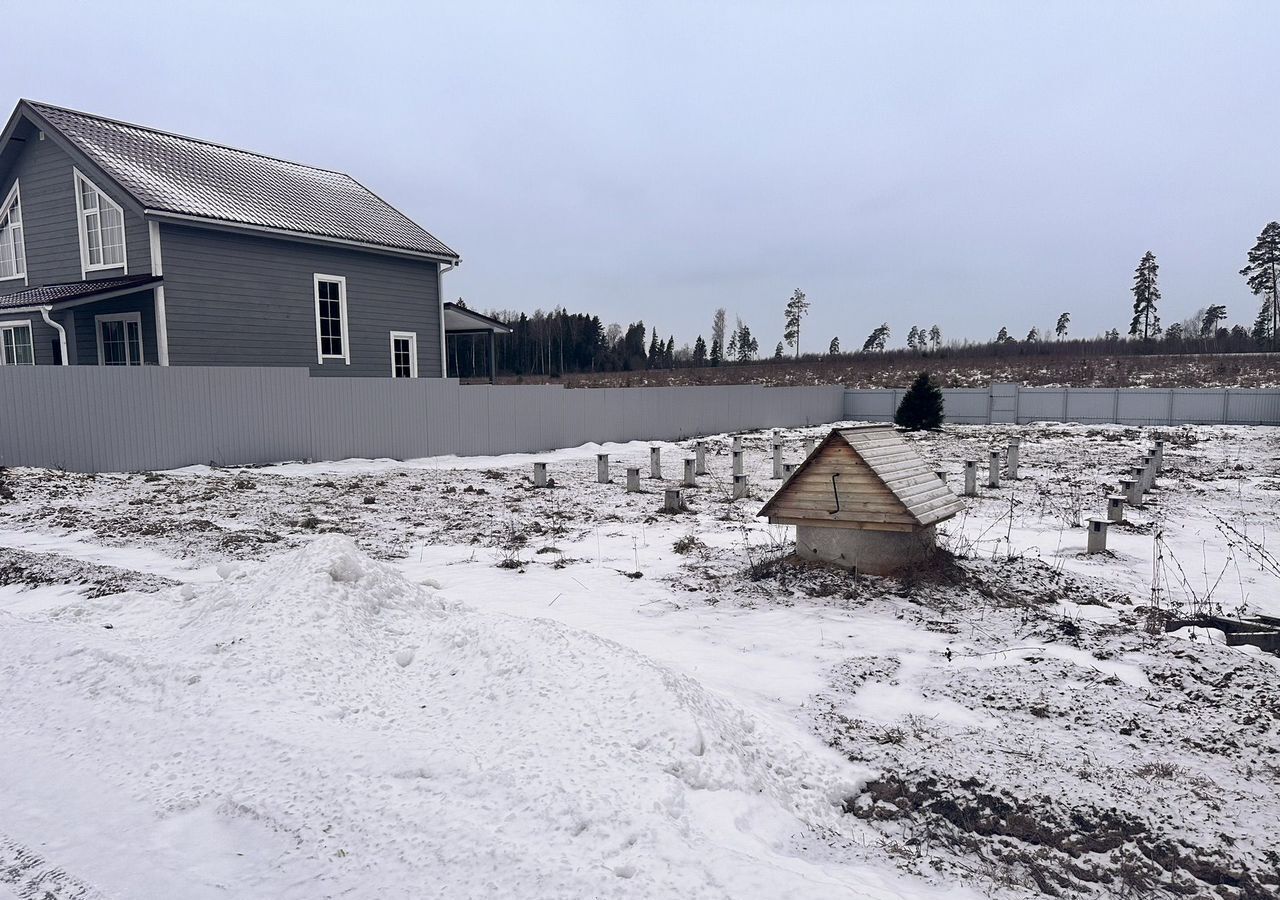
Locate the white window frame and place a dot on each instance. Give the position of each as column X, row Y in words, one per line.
column 82, row 229
column 19, row 247
column 412, row 338
column 17, row 323
column 120, row 317
column 341, row 281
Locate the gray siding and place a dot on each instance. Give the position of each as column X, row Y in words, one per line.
column 248, row 300
column 50, row 230
column 83, row 330
column 42, row 336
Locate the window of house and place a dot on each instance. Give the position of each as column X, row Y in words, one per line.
column 119, row 339
column 101, row 227
column 404, row 354
column 13, row 256
column 331, row 318
column 16, row 347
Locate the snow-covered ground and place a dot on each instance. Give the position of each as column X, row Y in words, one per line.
column 375, row 678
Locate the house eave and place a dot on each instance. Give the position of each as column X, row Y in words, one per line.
column 160, row 215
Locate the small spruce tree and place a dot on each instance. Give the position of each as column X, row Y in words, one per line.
column 921, row 406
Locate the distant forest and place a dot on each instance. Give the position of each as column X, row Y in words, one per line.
column 558, row 343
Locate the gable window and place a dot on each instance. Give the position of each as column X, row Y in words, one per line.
column 331, row 318
column 101, row 228
column 16, row 347
column 119, row 339
column 404, row 354
column 13, row 256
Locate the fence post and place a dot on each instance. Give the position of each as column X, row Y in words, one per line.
column 1168, row 419
column 1226, row 404
column 1066, row 403
column 1115, row 407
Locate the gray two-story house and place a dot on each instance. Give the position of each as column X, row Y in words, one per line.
column 125, row 246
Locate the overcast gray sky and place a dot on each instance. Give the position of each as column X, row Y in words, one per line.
column 966, row 164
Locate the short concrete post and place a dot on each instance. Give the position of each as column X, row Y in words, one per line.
column 971, row 478
column 1139, row 474
column 671, row 500
column 942, row 475
column 700, row 458
column 1014, row 443
column 1132, row 491
column 739, row 486
column 690, row 480
column 737, row 463
column 539, row 475
column 655, row 462
column 993, row 473
column 602, row 468
column 737, row 443
column 633, row 479
column 1097, row 535
column 1149, row 463
column 789, row 469
column 1159, row 451
column 777, row 456
column 1115, row 508
column 810, row 444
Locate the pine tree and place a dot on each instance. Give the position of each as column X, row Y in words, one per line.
column 913, row 337
column 877, row 339
column 1173, row 332
column 1262, row 274
column 1113, row 334
column 1033, row 335
column 797, row 309
column 655, row 352
column 935, row 337
column 732, row 352
column 1212, row 316
column 1002, row 337
column 834, row 348
column 778, row 351
column 748, row 347
column 921, row 407
column 1262, row 326
column 1064, row 321
column 669, row 354
column 717, row 352
column 699, row 352
column 1146, row 294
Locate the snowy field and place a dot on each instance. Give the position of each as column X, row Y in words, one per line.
column 430, row 679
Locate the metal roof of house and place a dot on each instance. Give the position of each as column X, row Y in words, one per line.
column 183, row 176
column 459, row 318
column 886, row 484
column 51, row 294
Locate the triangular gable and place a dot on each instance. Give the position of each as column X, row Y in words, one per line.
column 10, row 150
column 881, row 482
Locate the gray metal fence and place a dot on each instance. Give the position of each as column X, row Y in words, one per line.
column 1125, row 406
column 120, row 419
column 95, row 419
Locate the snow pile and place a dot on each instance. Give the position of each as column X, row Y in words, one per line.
column 340, row 728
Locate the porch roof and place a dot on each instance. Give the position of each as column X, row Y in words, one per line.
column 460, row 320
column 54, row 294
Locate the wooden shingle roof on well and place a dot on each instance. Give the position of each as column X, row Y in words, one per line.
column 880, row 483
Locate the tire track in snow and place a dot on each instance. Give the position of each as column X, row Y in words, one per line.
column 30, row 876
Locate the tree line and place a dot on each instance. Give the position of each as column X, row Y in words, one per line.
column 560, row 342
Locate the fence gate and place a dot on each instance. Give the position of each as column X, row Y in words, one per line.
column 1004, row 404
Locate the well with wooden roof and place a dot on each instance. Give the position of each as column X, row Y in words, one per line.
column 864, row 500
